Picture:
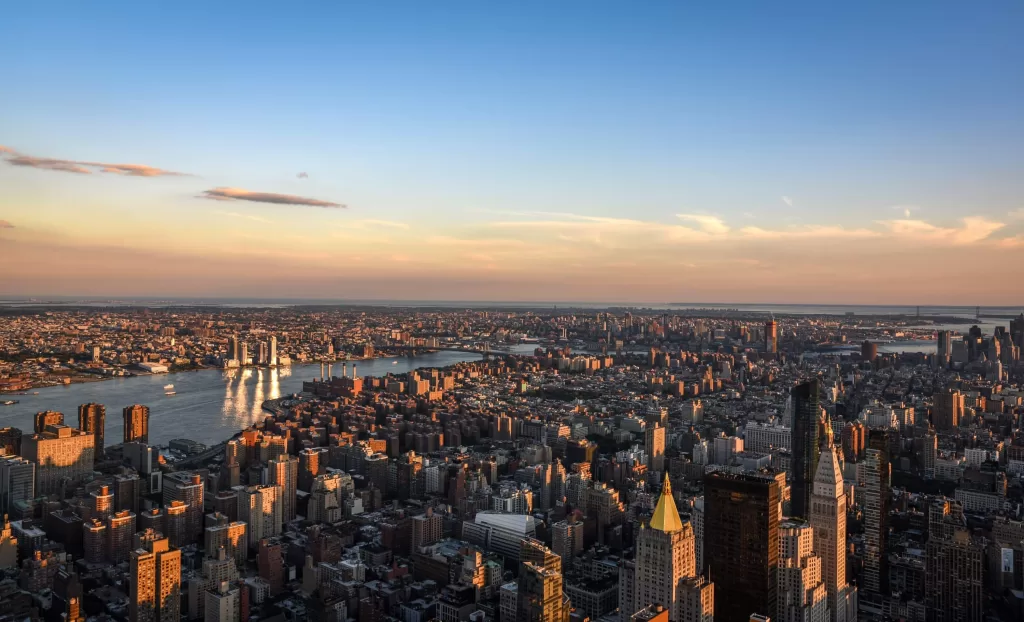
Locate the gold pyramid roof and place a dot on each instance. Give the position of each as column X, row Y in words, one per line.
column 666, row 516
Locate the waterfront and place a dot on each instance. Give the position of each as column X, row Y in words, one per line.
column 209, row 406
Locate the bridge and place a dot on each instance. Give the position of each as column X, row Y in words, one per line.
column 414, row 349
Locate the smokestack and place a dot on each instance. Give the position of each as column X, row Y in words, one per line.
column 321, row 371
column 344, row 370
column 330, row 374
column 354, row 374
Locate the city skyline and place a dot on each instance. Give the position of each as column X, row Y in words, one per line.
column 801, row 154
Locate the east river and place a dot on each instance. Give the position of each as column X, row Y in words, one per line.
column 209, row 406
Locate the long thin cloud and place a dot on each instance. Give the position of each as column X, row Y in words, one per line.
column 239, row 194
column 5, row 225
column 15, row 158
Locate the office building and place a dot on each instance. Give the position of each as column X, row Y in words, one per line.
column 155, row 581
column 175, row 523
column 47, row 418
column 63, row 457
column 136, row 423
column 869, row 351
column 539, row 587
column 875, row 501
column 742, row 512
column 567, row 539
column 222, row 533
column 804, row 447
column 654, row 447
column 94, row 541
column 426, row 529
column 188, row 489
column 270, row 563
column 8, row 545
column 92, row 419
column 828, row 519
column 947, row 410
column 120, row 536
column 802, row 596
column 10, row 442
column 500, row 533
column 665, row 554
column 954, row 566
column 259, row 507
column 17, row 483
column 283, row 472
column 771, row 337
column 272, row 350
column 312, row 462
column 223, row 603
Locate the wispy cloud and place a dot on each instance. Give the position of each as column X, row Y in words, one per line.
column 710, row 224
column 384, row 224
column 973, row 229
column 5, row 225
column 239, row 194
column 303, row 175
column 788, row 201
column 1017, row 214
column 807, row 231
column 14, row 158
column 251, row 217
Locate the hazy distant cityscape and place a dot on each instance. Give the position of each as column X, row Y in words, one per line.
column 673, row 464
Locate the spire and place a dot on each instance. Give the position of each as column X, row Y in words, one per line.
column 666, row 516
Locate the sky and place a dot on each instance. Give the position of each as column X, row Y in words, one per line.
column 786, row 152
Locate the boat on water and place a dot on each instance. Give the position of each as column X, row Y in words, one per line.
column 394, row 362
column 170, row 393
column 168, row 387
column 9, row 402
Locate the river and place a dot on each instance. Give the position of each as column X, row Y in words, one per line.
column 209, row 406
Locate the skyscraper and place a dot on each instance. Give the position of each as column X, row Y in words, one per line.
column 742, row 512
column 806, row 415
column 259, row 507
column 17, row 482
column 875, row 497
column 802, row 595
column 828, row 519
column 92, row 418
column 188, row 489
column 284, row 472
column 654, row 447
column 944, row 345
column 272, row 350
column 540, row 597
column 155, row 579
column 136, row 423
column 664, row 555
column 954, row 591
column 947, row 410
column 567, row 539
column 771, row 337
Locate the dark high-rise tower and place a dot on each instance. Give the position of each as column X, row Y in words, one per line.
column 742, row 513
column 771, row 337
column 136, row 423
column 92, row 418
column 875, row 499
column 804, row 445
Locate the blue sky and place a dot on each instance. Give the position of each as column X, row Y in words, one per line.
column 448, row 118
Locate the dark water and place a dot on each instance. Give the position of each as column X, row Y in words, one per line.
column 210, row 405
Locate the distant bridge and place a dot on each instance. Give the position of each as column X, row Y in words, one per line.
column 414, row 349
